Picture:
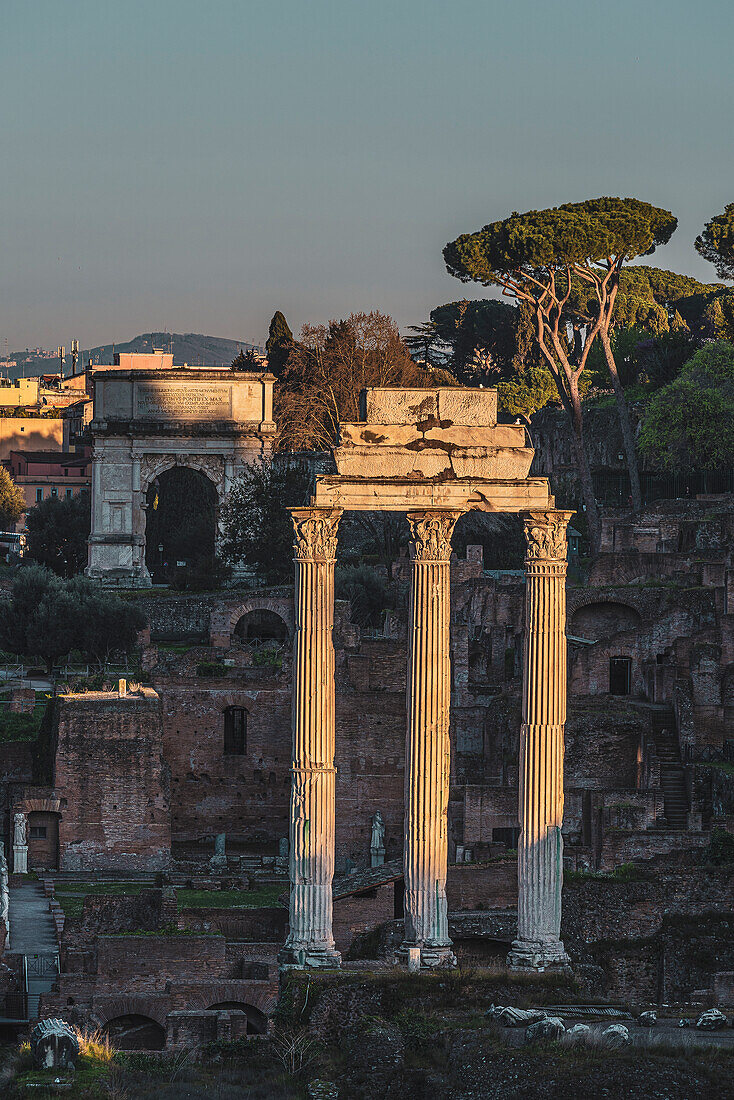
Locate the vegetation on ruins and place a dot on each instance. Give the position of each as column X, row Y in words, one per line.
column 689, row 423
column 57, row 533
column 366, row 591
column 279, row 344
column 329, row 367
column 564, row 264
column 716, row 242
column 12, row 501
column 255, row 524
column 48, row 617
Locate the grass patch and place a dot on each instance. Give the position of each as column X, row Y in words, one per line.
column 626, row 872
column 22, row 727
column 262, row 897
column 71, row 895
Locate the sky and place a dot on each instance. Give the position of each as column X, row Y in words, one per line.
column 194, row 165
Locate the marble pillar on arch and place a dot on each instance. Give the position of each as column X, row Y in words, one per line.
column 427, row 750
column 310, row 941
column 538, row 946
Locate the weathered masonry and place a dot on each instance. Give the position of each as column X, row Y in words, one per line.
column 147, row 422
column 432, row 454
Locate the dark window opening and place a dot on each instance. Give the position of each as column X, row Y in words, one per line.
column 38, row 832
column 235, row 731
column 620, row 675
column 508, row 837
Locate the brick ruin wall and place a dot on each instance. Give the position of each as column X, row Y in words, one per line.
column 113, row 782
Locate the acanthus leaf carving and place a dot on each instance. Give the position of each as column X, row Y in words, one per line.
column 545, row 534
column 431, row 534
column 315, row 533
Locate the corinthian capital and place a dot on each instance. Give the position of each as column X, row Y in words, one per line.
column 315, row 533
column 431, row 532
column 545, row 534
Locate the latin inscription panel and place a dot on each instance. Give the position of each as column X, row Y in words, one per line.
column 183, row 401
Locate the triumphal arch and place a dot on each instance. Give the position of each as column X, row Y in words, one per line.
column 432, row 454
column 147, row 422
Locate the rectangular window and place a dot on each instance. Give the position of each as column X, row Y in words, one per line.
column 69, row 493
column 39, row 495
column 38, row 832
column 54, row 491
column 235, row 731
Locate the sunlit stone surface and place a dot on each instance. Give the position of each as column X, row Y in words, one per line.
column 540, row 855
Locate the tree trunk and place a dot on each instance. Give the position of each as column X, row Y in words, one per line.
column 587, row 484
column 625, row 422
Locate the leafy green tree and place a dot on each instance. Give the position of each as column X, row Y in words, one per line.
column 46, row 616
column 246, row 361
column 254, row 519
column 540, row 258
column 279, row 343
column 485, row 332
column 12, row 501
column 689, row 423
column 716, row 242
column 427, row 345
column 366, row 591
column 57, row 533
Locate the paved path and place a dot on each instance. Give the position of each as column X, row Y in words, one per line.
column 32, row 930
column 32, row 933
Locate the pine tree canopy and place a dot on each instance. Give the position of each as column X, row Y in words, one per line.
column 573, row 235
column 716, row 243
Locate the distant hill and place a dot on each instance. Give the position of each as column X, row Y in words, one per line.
column 190, row 347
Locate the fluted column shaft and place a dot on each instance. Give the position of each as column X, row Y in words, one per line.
column 310, row 941
column 540, row 852
column 427, row 750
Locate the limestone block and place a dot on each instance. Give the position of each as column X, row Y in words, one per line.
column 579, row 1033
column 615, row 1036
column 515, row 1017
column 546, row 1030
column 647, row 1019
column 711, row 1020
column 395, row 405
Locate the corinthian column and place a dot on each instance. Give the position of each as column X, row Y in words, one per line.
column 427, row 749
column 310, row 941
column 540, row 856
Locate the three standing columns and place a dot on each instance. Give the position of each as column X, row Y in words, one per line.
column 427, row 748
column 540, row 856
column 310, row 941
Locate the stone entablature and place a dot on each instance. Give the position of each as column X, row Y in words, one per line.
column 145, row 423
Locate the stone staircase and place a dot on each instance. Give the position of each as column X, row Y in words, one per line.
column 672, row 775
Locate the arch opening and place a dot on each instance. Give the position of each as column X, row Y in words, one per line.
column 603, row 620
column 181, row 524
column 261, row 627
column 135, row 1032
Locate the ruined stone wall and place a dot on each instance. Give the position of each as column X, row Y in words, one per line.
column 360, row 913
column 482, row 886
column 370, row 749
column 111, row 774
column 212, row 792
column 147, row 963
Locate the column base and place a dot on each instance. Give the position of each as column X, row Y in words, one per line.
column 433, row 956
column 20, row 859
column 539, row 957
column 309, row 956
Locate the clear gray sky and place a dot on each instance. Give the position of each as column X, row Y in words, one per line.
column 196, row 164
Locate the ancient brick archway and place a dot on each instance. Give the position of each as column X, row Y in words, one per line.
column 432, row 454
